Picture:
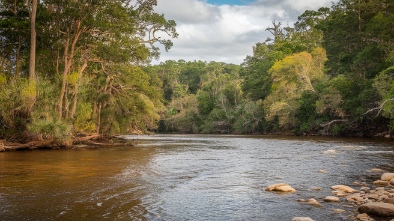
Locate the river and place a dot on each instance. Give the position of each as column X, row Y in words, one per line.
column 188, row 177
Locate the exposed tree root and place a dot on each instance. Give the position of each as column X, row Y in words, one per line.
column 9, row 146
column 94, row 140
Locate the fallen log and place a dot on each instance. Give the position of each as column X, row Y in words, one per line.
column 8, row 146
column 86, row 138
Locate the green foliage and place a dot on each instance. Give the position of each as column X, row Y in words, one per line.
column 249, row 118
column 306, row 112
column 49, row 128
column 291, row 77
column 84, row 119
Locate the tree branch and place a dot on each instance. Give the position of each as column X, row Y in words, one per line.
column 379, row 108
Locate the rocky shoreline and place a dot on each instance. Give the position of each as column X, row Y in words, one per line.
column 369, row 203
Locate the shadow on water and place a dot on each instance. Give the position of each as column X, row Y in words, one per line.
column 188, row 177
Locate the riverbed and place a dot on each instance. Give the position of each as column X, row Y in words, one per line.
column 188, row 177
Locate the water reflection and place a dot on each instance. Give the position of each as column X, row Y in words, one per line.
column 70, row 185
column 186, row 178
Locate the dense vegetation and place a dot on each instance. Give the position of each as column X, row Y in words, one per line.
column 332, row 73
column 88, row 76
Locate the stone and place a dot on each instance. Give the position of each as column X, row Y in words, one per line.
column 355, row 198
column 339, row 193
column 329, row 152
column 381, row 183
column 322, row 171
column 365, row 189
column 344, row 188
column 389, row 200
column 332, row 199
column 373, row 196
column 339, row 210
column 375, row 170
column 387, row 176
column 377, row 208
column 281, row 187
column 313, row 202
column 364, row 217
column 391, row 182
column 302, row 219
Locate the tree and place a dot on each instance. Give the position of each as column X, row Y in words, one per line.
column 33, row 39
column 291, row 77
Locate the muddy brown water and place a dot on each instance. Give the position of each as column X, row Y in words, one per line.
column 188, row 177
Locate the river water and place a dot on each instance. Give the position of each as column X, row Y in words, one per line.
column 188, row 177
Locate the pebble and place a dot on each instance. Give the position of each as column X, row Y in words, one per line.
column 302, row 219
column 331, row 199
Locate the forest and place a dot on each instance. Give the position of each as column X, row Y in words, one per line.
column 70, row 69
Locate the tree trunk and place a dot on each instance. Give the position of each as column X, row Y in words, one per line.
column 32, row 64
column 17, row 58
column 64, row 80
column 75, row 100
column 68, row 62
column 98, row 118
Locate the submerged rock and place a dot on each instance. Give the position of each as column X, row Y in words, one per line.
column 281, row 187
column 387, row 176
column 375, row 170
column 356, row 198
column 302, row 219
column 377, row 208
column 339, row 210
column 339, row 193
column 344, row 188
column 364, row 217
column 381, row 183
column 329, row 151
column 331, row 199
column 313, row 202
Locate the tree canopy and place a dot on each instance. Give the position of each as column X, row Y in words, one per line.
column 331, row 73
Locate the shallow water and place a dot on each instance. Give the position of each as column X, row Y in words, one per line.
column 187, row 177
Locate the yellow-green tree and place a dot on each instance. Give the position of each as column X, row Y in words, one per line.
column 291, row 77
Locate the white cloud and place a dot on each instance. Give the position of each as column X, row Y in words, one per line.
column 227, row 32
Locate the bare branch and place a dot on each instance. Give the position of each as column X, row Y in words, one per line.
column 333, row 121
column 379, row 108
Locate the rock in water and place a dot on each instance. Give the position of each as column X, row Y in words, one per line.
column 381, row 183
column 387, row 176
column 313, row 202
column 329, row 152
column 377, row 208
column 364, row 217
column 302, row 219
column 344, row 188
column 281, row 187
column 331, row 199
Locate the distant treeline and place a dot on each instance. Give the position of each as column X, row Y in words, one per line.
column 332, row 73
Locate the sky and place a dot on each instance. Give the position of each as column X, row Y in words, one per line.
column 226, row 31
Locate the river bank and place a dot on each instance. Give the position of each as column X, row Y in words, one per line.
column 364, row 202
column 90, row 141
